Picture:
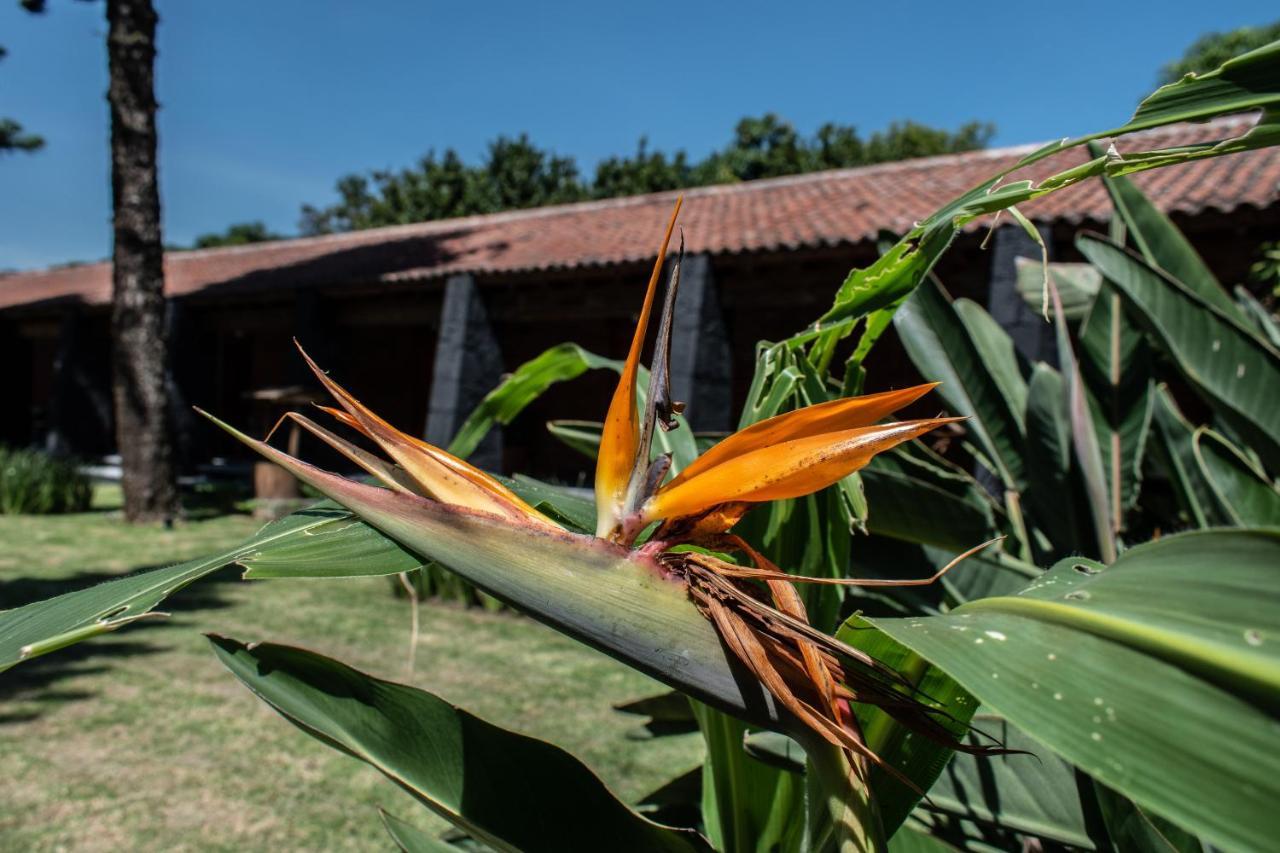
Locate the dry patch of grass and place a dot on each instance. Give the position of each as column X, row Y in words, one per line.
column 141, row 741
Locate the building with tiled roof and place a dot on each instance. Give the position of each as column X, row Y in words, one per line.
column 372, row 303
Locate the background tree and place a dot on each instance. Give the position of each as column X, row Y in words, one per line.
column 237, row 235
column 517, row 174
column 139, row 345
column 1212, row 49
column 646, row 172
column 12, row 135
column 138, row 337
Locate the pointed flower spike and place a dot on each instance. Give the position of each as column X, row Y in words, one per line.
column 387, row 474
column 435, row 472
column 620, row 438
column 342, row 417
column 788, row 469
column 843, row 414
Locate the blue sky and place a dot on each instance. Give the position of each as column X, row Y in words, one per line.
column 265, row 104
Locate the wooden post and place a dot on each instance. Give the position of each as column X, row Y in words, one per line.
column 468, row 364
column 700, row 356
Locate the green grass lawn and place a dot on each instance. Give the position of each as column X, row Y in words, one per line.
column 141, row 741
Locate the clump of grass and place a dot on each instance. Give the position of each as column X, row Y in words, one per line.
column 33, row 482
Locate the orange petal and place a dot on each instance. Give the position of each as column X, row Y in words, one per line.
column 843, row 414
column 788, row 469
column 439, row 474
column 621, row 433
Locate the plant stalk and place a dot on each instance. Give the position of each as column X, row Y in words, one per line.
column 843, row 816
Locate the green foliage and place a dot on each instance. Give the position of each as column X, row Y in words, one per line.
column 645, row 172
column 33, row 482
column 525, row 384
column 770, row 147
column 1153, row 679
column 1212, row 49
column 516, row 174
column 14, row 138
column 1264, row 273
column 508, row 790
column 281, row 548
column 12, row 135
column 238, row 234
column 1061, row 660
column 1232, row 369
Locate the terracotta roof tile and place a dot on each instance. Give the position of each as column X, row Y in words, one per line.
column 838, row 207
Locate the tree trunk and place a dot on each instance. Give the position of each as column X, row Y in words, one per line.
column 137, row 317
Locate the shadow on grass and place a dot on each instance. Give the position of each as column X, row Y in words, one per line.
column 36, row 683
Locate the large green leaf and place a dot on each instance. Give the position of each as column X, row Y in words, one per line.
column 1131, row 827
column 1262, row 320
column 1115, row 366
column 45, row 626
column 940, row 346
column 919, row 759
column 525, row 384
column 1009, row 369
column 1244, row 493
column 1243, row 83
column 1086, row 454
column 746, row 804
column 960, row 514
column 1157, row 675
column 509, row 790
column 1162, row 244
column 1172, row 439
column 1051, row 497
column 575, row 508
column 1233, row 370
column 1077, row 283
column 582, row 436
column 410, row 839
column 531, row 380
column 1035, row 797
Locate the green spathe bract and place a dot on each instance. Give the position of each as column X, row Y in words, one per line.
column 614, row 600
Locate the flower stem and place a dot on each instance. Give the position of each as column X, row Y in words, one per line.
column 843, row 816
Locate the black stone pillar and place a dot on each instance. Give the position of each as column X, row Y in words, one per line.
column 59, row 426
column 183, row 359
column 16, row 415
column 1032, row 336
column 468, row 364
column 312, row 329
column 700, row 357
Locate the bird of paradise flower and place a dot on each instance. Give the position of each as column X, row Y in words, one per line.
column 631, row 588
